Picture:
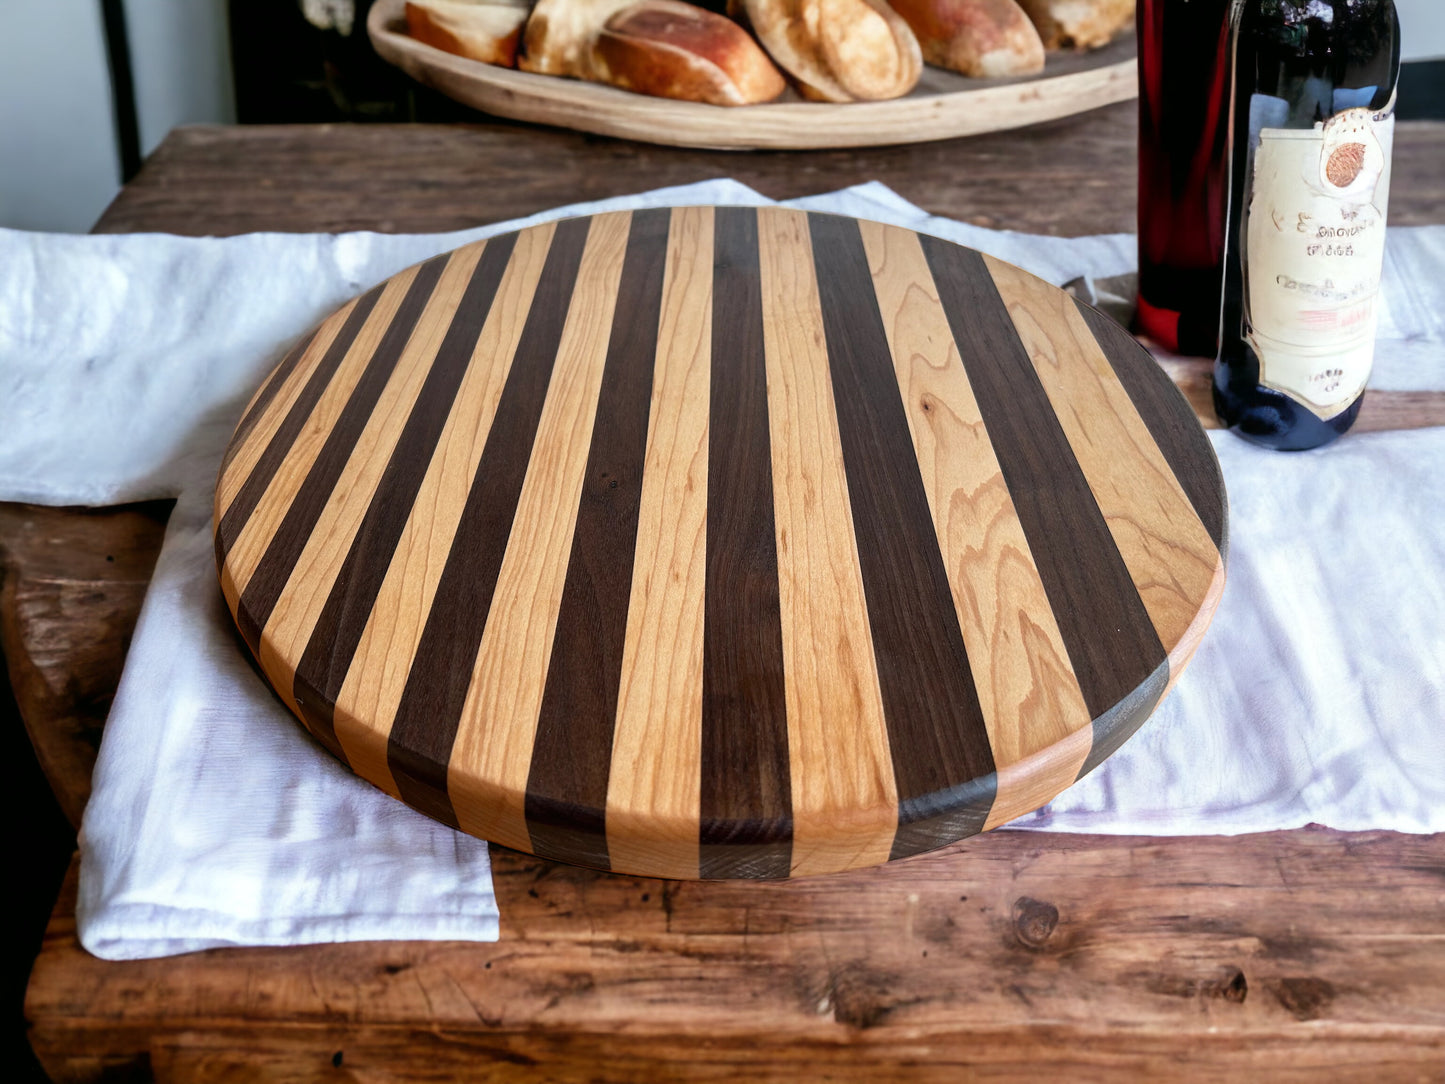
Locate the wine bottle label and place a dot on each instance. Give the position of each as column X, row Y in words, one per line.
column 1314, row 250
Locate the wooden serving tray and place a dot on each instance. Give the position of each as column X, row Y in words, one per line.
column 720, row 542
column 943, row 105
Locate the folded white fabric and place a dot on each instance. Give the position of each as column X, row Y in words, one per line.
column 215, row 820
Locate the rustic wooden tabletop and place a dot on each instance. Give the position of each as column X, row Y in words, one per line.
column 1294, row 955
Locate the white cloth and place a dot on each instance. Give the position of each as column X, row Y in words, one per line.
column 124, row 361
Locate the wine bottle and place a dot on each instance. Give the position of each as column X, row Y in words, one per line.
column 1183, row 123
column 1310, row 137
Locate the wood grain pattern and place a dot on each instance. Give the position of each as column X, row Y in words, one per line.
column 939, row 743
column 277, row 409
column 441, row 352
column 372, row 689
column 845, row 805
column 566, row 791
column 243, row 536
column 654, row 797
column 71, row 585
column 746, row 782
column 321, row 567
column 1116, row 653
column 1162, row 540
column 424, row 728
column 1060, row 179
column 1029, row 695
column 1295, row 956
column 764, row 544
column 944, row 104
column 487, row 772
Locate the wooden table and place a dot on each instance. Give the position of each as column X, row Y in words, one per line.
column 1297, row 955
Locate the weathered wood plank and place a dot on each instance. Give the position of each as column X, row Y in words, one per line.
column 71, row 585
column 1070, row 177
column 1081, row 955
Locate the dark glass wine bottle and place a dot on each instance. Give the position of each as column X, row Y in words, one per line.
column 1183, row 122
column 1310, row 137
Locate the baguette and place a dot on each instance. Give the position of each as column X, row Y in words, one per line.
column 838, row 50
column 1081, row 24
column 664, row 48
column 485, row 30
column 984, row 38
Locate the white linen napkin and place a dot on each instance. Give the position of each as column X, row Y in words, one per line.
column 215, row 820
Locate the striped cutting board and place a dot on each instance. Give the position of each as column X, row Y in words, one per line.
column 720, row 542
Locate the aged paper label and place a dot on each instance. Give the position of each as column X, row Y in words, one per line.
column 1315, row 248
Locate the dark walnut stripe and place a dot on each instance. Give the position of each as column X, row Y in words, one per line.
column 338, row 630
column 425, row 727
column 566, row 799
column 233, row 520
column 942, row 760
column 1170, row 419
column 1107, row 631
column 746, row 828
column 276, row 564
column 274, row 383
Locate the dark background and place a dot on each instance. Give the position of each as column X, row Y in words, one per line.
column 286, row 71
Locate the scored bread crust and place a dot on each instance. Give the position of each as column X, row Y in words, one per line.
column 671, row 49
column 665, row 48
column 983, row 38
column 485, row 30
column 838, row 50
column 1081, row 24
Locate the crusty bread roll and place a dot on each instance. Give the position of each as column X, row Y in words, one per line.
column 485, row 30
column 1083, row 24
column 984, row 38
column 670, row 49
column 665, row 48
column 838, row 50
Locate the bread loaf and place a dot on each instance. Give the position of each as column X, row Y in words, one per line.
column 665, row 48
column 1082, row 24
column 674, row 50
column 985, row 38
column 485, row 30
column 838, row 50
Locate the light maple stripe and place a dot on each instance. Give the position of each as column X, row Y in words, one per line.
column 653, row 795
column 1026, row 686
column 377, row 676
column 511, row 666
column 845, row 805
column 250, row 545
column 311, row 579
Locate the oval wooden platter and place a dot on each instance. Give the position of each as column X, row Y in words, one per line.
column 943, row 106
column 720, row 542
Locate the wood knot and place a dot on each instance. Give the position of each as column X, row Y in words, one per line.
column 1306, row 998
column 1234, row 988
column 1034, row 921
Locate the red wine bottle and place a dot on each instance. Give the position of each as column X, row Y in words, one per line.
column 1310, row 137
column 1183, row 130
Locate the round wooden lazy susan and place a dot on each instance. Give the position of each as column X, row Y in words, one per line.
column 720, row 542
